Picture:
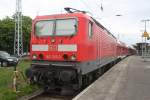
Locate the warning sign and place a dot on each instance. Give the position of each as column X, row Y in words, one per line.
column 145, row 34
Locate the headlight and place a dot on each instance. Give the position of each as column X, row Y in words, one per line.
column 73, row 57
column 10, row 59
column 34, row 56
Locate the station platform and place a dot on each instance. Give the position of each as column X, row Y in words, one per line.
column 127, row 80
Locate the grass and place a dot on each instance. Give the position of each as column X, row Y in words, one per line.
column 6, row 82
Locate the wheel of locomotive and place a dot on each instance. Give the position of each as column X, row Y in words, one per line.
column 103, row 69
column 87, row 79
column 84, row 81
column 4, row 64
column 80, row 78
column 97, row 73
column 90, row 77
column 80, row 84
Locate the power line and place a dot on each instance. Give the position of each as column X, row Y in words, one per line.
column 100, row 6
column 88, row 7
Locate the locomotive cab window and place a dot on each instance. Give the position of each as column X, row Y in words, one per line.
column 58, row 27
column 65, row 27
column 44, row 28
column 90, row 30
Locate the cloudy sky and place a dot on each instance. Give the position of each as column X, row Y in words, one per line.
column 128, row 27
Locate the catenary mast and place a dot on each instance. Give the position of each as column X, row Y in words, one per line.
column 18, row 45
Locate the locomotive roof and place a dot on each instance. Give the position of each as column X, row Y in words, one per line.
column 100, row 25
column 77, row 14
column 62, row 15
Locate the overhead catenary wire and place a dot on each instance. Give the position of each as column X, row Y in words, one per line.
column 87, row 6
column 92, row 10
column 100, row 6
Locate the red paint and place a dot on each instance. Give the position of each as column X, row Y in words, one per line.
column 101, row 45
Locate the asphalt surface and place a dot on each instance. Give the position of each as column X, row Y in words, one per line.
column 128, row 80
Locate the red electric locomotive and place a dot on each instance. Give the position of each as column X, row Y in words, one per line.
column 68, row 50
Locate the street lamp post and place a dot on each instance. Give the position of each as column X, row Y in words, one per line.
column 145, row 35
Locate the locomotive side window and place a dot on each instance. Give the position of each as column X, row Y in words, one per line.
column 90, row 32
column 65, row 27
column 44, row 28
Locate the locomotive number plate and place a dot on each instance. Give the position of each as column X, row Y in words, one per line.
column 52, row 48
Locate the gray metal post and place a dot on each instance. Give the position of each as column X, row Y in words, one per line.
column 145, row 51
column 18, row 45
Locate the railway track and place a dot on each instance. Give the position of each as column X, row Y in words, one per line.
column 46, row 96
column 41, row 95
column 34, row 94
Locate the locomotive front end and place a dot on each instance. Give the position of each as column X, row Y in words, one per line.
column 54, row 53
column 54, row 40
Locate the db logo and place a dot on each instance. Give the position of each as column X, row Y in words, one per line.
column 52, row 48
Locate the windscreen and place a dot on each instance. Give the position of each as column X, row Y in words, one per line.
column 59, row 27
column 44, row 28
column 65, row 27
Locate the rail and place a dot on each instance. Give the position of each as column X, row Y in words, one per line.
column 33, row 95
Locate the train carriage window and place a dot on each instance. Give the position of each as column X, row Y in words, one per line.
column 44, row 28
column 65, row 27
column 90, row 30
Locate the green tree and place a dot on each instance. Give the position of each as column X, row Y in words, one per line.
column 26, row 28
column 7, row 32
column 7, row 26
